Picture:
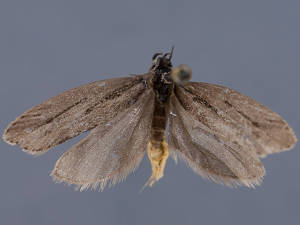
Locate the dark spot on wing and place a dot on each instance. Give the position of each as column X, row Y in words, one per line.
column 228, row 103
column 64, row 111
column 254, row 123
column 202, row 101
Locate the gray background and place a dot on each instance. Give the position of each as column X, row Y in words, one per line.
column 50, row 46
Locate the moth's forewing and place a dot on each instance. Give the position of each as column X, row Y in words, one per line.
column 110, row 152
column 235, row 118
column 72, row 112
column 208, row 156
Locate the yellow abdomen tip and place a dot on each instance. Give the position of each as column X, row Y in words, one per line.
column 157, row 154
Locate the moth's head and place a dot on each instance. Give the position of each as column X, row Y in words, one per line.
column 181, row 74
column 162, row 61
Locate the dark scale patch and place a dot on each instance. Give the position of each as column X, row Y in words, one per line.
column 65, row 110
column 228, row 103
column 199, row 99
column 254, row 123
column 118, row 92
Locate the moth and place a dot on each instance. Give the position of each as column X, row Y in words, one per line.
column 220, row 133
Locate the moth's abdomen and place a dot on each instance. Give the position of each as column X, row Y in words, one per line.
column 158, row 147
column 159, row 123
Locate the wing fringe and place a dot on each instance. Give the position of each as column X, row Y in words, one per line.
column 226, row 181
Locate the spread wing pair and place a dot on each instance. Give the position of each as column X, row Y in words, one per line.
column 219, row 132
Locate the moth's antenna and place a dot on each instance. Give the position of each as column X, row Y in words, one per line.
column 171, row 53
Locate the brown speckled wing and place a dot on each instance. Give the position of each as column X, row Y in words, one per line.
column 236, row 119
column 223, row 162
column 73, row 112
column 109, row 153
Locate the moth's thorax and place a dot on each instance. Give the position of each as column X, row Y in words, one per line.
column 162, row 81
column 162, row 86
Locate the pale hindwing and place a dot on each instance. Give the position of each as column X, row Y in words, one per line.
column 109, row 153
column 235, row 118
column 72, row 112
column 207, row 155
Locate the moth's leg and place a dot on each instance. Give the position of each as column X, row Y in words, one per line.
column 158, row 154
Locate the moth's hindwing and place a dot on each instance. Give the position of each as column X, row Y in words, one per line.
column 209, row 156
column 110, row 152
